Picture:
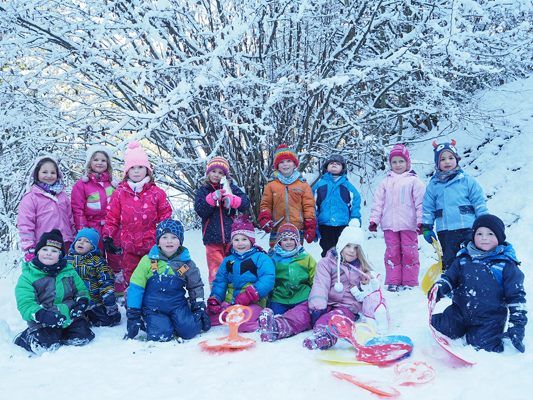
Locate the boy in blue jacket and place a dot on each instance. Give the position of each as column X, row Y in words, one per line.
column 485, row 281
column 337, row 202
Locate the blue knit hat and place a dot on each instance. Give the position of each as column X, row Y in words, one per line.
column 170, row 226
column 90, row 234
column 438, row 149
column 491, row 222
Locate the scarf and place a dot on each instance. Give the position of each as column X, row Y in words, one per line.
column 287, row 180
column 278, row 251
column 445, row 176
column 137, row 187
column 51, row 270
column 54, row 189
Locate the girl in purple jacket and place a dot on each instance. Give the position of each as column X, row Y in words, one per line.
column 398, row 209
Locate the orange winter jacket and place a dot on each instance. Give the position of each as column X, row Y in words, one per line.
column 294, row 202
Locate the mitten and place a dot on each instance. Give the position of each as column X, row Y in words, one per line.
column 360, row 294
column 247, row 296
column 373, row 227
column 29, row 255
column 231, row 201
column 110, row 247
column 198, row 309
column 214, row 197
column 315, row 315
column 515, row 331
column 428, row 233
column 265, row 221
column 309, row 230
column 134, row 322
column 49, row 318
column 419, row 229
column 441, row 292
column 213, row 305
column 79, row 307
column 110, row 304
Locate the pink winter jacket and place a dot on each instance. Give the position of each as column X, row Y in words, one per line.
column 398, row 202
column 136, row 215
column 40, row 212
column 323, row 293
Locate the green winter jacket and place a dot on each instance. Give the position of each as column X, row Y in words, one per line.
column 35, row 290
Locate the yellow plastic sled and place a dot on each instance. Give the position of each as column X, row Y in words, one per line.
column 433, row 272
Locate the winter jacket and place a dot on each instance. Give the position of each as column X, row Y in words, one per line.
column 89, row 198
column 40, row 212
column 136, row 215
column 454, row 204
column 337, row 201
column 294, row 277
column 292, row 203
column 36, row 289
column 95, row 273
column 323, row 293
column 398, row 202
column 216, row 221
column 238, row 271
column 163, row 284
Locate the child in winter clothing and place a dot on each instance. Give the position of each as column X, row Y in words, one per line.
column 454, row 200
column 92, row 268
column 52, row 298
column 337, row 202
column 217, row 203
column 288, row 314
column 157, row 290
column 485, row 282
column 136, row 206
column 287, row 198
column 44, row 207
column 246, row 276
column 398, row 209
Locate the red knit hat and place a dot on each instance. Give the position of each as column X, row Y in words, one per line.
column 288, row 230
column 218, row 162
column 283, row 152
column 401, row 151
column 242, row 226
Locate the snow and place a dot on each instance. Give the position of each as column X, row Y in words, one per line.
column 109, row 367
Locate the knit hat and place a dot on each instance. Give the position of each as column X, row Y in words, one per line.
column 438, row 149
column 170, row 226
column 492, row 222
column 96, row 148
column 54, row 239
column 135, row 155
column 399, row 150
column 351, row 234
column 334, row 158
column 283, row 152
column 288, row 230
column 242, row 226
column 218, row 162
column 90, row 234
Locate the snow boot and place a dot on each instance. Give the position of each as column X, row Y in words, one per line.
column 320, row 339
column 268, row 327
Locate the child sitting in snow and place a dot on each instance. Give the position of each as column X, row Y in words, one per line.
column 85, row 257
column 485, row 282
column 158, row 287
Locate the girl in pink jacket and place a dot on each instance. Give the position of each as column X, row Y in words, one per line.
column 398, row 209
column 44, row 207
column 136, row 207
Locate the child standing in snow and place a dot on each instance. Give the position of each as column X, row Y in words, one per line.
column 90, row 197
column 84, row 255
column 136, row 206
column 158, row 286
column 398, row 209
column 485, row 282
column 453, row 200
column 44, row 207
column 52, row 298
column 288, row 314
column 287, row 198
column 337, row 202
column 217, row 203
column 246, row 277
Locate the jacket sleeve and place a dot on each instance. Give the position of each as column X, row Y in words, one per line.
column 419, row 189
column 308, row 203
column 477, row 198
column 201, row 206
column 245, row 201
column 428, row 206
column 26, row 298
column 267, row 200
column 106, row 278
column 318, row 298
column 193, row 283
column 355, row 204
column 81, row 288
column 220, row 284
column 266, row 275
column 138, row 283
column 112, row 218
column 164, row 209
column 311, row 267
column 379, row 201
column 450, row 279
column 70, row 222
column 78, row 201
column 26, row 222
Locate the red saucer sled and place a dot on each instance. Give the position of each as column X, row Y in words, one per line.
column 232, row 316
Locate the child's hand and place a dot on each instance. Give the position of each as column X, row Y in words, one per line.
column 265, row 221
column 428, row 233
column 232, row 201
column 49, row 318
column 419, row 229
column 29, row 256
column 198, row 309
column 110, row 304
column 134, row 322
column 247, row 296
column 79, row 307
column 373, row 227
column 213, row 306
column 110, row 247
column 309, row 230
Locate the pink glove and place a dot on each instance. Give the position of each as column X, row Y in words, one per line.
column 247, row 296
column 29, row 256
column 373, row 227
column 309, row 230
column 213, row 306
column 419, row 229
column 265, row 221
column 232, row 201
column 214, row 197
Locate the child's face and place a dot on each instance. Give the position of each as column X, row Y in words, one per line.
column 169, row 244
column 47, row 173
column 241, row 243
column 286, row 167
column 334, row 168
column 98, row 162
column 398, row 164
column 447, row 161
column 83, row 246
column 485, row 239
column 287, row 244
column 215, row 175
column 349, row 253
column 137, row 173
column 48, row 255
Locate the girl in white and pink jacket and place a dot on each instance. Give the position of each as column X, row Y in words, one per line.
column 398, row 209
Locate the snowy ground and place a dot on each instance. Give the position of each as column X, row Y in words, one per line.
column 110, row 367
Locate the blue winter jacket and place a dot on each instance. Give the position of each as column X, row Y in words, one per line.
column 238, row 271
column 454, row 204
column 337, row 201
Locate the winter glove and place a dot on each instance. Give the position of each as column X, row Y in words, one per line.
column 515, row 331
column 428, row 233
column 440, row 291
column 29, row 255
column 110, row 304
column 49, row 318
column 110, row 247
column 247, row 296
column 79, row 307
column 419, row 229
column 134, row 322
column 373, row 227
column 214, row 306
column 265, row 221
column 309, row 230
column 214, row 197
column 231, row 201
column 315, row 315
column 198, row 310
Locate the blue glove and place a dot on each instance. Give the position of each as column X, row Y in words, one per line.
column 198, row 310
column 49, row 318
column 515, row 331
column 110, row 304
column 79, row 307
column 428, row 233
column 134, row 322
column 315, row 315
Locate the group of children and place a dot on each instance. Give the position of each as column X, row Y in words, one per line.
column 125, row 231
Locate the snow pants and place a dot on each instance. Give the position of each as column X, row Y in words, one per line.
column 401, row 258
column 450, row 242
column 214, row 253
column 329, row 236
column 129, row 263
column 98, row 317
column 295, row 320
column 249, row 326
column 161, row 326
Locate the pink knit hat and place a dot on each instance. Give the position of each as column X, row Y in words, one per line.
column 242, row 226
column 135, row 155
column 401, row 151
